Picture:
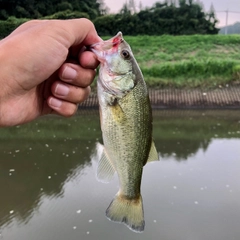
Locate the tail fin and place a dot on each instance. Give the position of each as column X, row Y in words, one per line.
column 127, row 211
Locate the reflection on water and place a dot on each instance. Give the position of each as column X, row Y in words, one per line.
column 49, row 191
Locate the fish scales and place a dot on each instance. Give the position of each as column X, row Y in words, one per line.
column 128, row 142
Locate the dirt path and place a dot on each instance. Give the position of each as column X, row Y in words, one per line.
column 182, row 98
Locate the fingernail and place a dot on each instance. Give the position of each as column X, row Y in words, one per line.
column 69, row 73
column 55, row 103
column 61, row 90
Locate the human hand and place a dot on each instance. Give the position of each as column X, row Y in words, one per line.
column 44, row 69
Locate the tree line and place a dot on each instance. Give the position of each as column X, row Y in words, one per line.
column 33, row 9
column 175, row 17
column 169, row 17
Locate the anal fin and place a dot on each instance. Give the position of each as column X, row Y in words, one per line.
column 105, row 169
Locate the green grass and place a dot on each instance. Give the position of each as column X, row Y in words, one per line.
column 188, row 61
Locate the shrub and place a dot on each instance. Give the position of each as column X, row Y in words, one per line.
column 6, row 27
column 236, row 72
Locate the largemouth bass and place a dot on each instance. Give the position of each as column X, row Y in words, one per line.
column 126, row 124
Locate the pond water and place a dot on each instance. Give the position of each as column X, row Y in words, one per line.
column 48, row 188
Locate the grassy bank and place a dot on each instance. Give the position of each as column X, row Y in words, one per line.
column 188, row 61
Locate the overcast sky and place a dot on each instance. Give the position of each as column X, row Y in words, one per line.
column 219, row 5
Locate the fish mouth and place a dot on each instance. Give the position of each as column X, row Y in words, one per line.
column 104, row 48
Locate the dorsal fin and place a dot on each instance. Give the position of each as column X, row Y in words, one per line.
column 153, row 154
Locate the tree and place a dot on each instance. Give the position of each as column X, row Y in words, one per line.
column 140, row 6
column 62, row 6
column 212, row 20
column 125, row 9
column 168, row 17
column 132, row 6
column 41, row 8
column 103, row 8
column 212, row 15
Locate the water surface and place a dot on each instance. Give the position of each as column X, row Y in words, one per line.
column 48, row 188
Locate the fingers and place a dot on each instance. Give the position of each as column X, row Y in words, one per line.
column 88, row 60
column 70, row 93
column 66, row 97
column 72, row 87
column 63, row 108
column 78, row 75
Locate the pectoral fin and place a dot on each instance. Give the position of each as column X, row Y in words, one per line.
column 153, row 154
column 105, row 170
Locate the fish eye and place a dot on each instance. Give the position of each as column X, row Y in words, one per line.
column 125, row 54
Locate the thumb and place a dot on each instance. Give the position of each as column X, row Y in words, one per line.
column 78, row 32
